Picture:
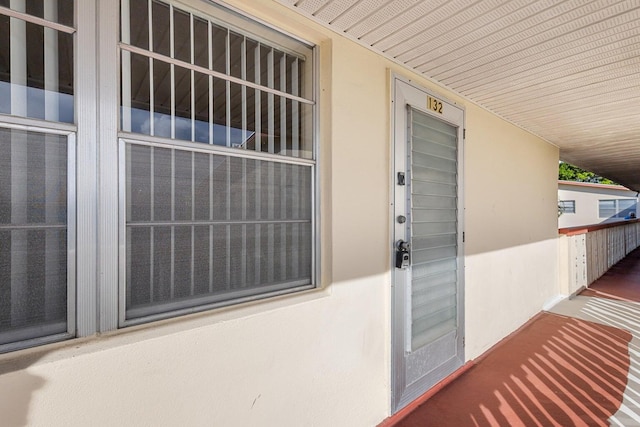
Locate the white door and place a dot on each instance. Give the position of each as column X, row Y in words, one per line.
column 428, row 303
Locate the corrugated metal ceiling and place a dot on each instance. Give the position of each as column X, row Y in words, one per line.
column 568, row 71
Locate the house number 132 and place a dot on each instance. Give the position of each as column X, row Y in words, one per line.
column 434, row 104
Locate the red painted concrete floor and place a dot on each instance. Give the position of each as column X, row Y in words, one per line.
column 621, row 282
column 567, row 367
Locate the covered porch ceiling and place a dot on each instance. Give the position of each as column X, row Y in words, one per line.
column 565, row 70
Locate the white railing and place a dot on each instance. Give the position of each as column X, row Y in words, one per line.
column 586, row 253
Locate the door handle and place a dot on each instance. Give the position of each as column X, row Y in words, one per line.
column 401, row 245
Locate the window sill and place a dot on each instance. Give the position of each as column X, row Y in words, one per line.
column 50, row 353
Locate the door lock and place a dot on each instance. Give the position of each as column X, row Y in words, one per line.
column 403, row 257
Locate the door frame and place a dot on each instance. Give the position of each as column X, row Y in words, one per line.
column 407, row 92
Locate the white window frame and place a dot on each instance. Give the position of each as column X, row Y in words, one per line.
column 212, row 303
column 124, row 137
column 71, row 132
column 68, row 131
column 567, row 206
column 94, row 223
column 618, row 211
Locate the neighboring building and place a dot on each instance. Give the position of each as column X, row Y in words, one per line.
column 584, row 203
column 202, row 217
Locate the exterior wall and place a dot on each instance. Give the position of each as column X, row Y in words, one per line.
column 586, row 197
column 322, row 357
column 511, row 237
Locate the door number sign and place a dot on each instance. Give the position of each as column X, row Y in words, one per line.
column 434, row 104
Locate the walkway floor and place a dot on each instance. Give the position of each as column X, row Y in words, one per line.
column 576, row 365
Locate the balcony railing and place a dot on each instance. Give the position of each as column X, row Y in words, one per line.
column 587, row 252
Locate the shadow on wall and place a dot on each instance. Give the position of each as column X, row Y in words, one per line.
column 621, row 217
column 18, row 389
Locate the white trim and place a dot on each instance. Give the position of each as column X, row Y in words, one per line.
column 217, row 74
column 72, row 282
column 192, row 103
column 203, row 303
column 71, row 235
column 107, row 135
column 174, row 310
column 270, row 157
column 86, row 116
column 316, row 246
column 48, row 339
column 35, row 125
column 172, row 69
column 144, row 139
column 122, row 232
column 407, row 93
column 186, row 222
column 35, row 20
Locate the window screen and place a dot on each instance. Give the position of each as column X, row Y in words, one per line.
column 33, row 235
column 227, row 214
column 36, row 220
column 206, row 227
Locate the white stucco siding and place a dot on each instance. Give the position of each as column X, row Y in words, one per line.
column 511, row 237
column 586, row 197
column 321, row 358
column 304, row 364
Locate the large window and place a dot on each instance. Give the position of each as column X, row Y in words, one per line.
column 169, row 170
column 37, row 155
column 618, row 208
column 218, row 160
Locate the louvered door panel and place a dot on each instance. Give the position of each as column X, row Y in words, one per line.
column 434, row 247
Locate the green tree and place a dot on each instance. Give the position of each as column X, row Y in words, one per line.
column 567, row 172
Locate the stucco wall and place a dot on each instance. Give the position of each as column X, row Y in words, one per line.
column 321, row 358
column 511, row 220
column 586, row 202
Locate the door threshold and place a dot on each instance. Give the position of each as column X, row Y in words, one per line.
column 401, row 414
